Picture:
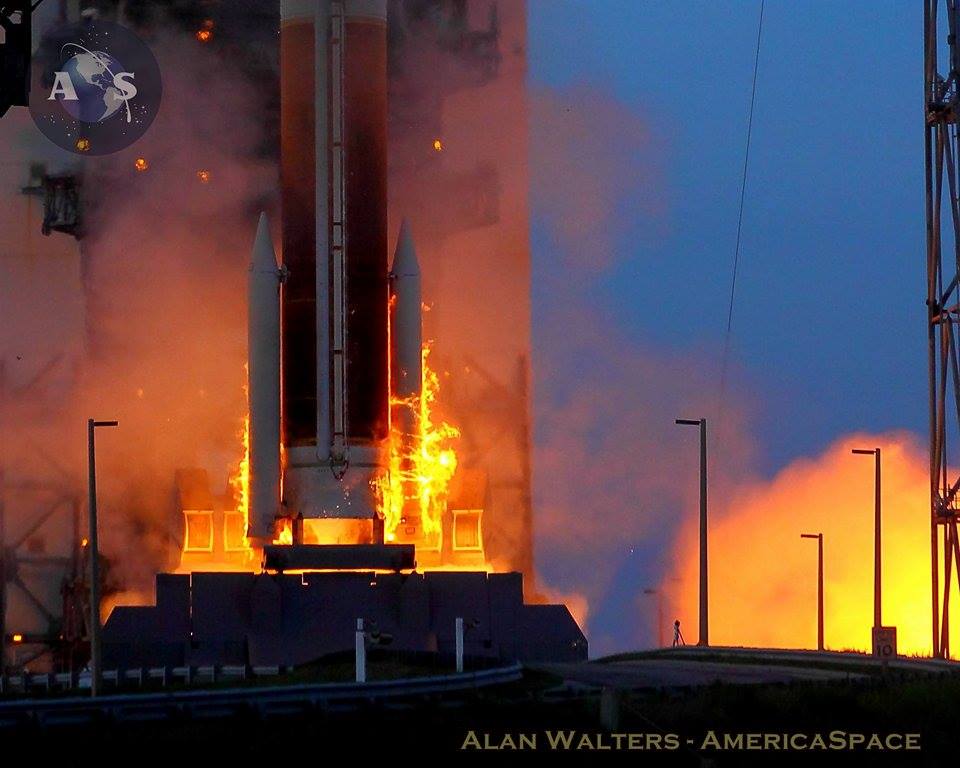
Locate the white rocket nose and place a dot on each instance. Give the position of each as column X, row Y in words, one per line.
column 405, row 262
column 263, row 259
column 405, row 331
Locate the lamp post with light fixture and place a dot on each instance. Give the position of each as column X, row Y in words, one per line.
column 93, row 553
column 819, row 538
column 702, row 423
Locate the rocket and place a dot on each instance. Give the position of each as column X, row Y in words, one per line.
column 263, row 384
column 330, row 382
column 325, row 354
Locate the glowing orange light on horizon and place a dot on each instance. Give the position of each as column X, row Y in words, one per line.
column 141, row 164
column 18, row 638
column 83, row 145
column 763, row 577
column 438, row 145
column 204, row 176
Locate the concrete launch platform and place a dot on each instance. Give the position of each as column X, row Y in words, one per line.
column 290, row 619
column 381, row 557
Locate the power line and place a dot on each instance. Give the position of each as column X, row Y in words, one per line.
column 743, row 190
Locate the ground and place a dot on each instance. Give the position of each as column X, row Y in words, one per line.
column 683, row 695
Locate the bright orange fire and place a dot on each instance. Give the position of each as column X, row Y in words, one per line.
column 284, row 532
column 239, row 483
column 205, row 33
column 421, row 465
column 240, row 476
column 763, row 575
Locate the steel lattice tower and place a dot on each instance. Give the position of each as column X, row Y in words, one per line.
column 942, row 110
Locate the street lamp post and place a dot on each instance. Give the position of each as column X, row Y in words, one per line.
column 93, row 553
column 819, row 538
column 702, row 423
column 877, row 602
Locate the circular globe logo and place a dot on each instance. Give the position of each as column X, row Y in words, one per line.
column 98, row 89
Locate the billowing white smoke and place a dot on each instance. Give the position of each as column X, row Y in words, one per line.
column 613, row 474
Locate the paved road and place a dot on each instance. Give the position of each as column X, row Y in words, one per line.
column 681, row 673
column 692, row 666
column 820, row 658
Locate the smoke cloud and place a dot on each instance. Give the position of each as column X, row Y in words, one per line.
column 166, row 279
column 163, row 270
column 613, row 475
column 763, row 576
column 616, row 485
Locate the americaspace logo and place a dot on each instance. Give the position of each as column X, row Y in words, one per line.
column 99, row 89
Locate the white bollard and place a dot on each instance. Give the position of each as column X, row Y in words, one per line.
column 459, row 632
column 361, row 653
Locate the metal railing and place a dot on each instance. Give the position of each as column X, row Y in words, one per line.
column 264, row 701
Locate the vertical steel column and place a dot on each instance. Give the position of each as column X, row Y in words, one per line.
column 704, row 613
column 360, row 652
column 941, row 108
column 877, row 582
column 326, row 114
column 820, row 591
column 338, row 244
column 94, row 555
column 704, row 592
column 819, row 538
column 458, row 632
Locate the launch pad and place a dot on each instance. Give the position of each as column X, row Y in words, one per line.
column 349, row 479
column 290, row 619
column 294, row 557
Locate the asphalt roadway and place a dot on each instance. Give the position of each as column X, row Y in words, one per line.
column 693, row 667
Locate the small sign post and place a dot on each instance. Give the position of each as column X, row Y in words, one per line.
column 885, row 642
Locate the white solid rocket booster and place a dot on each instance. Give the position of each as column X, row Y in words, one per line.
column 263, row 385
column 406, row 361
column 405, row 328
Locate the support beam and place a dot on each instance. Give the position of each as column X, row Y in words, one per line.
column 942, row 167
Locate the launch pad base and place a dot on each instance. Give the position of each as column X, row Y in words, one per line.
column 314, row 557
column 290, row 619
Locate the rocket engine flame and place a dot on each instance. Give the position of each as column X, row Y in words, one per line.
column 240, row 477
column 421, row 465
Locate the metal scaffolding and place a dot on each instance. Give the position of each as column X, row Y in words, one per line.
column 942, row 107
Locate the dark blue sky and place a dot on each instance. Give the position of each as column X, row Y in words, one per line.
column 828, row 322
column 828, row 332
